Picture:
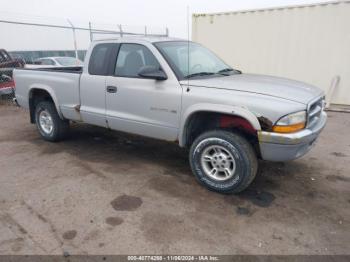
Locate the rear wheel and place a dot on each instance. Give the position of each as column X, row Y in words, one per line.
column 223, row 161
column 51, row 127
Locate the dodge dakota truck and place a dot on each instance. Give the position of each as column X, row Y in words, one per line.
column 179, row 91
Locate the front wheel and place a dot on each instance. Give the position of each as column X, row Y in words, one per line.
column 223, row 161
column 51, row 127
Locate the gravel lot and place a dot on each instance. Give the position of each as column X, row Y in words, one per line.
column 102, row 192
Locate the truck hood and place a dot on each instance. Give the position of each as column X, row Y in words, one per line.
column 267, row 85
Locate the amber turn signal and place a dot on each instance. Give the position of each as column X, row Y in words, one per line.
column 289, row 128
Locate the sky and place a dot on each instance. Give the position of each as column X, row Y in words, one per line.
column 156, row 14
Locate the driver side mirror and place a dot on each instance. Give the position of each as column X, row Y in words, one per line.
column 152, row 72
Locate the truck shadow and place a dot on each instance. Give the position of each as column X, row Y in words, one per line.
column 120, row 151
column 90, row 145
column 93, row 144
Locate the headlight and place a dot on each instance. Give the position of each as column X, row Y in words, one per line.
column 290, row 123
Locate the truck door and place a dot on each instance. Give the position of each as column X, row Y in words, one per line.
column 93, row 84
column 138, row 105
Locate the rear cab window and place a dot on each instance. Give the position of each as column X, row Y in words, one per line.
column 101, row 57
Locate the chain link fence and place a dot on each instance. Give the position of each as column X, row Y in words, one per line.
column 49, row 38
column 29, row 38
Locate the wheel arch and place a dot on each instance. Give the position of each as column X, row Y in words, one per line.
column 39, row 93
column 212, row 109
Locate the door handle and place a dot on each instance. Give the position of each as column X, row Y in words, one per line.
column 111, row 89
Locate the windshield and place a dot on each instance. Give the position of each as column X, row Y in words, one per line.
column 68, row 61
column 202, row 61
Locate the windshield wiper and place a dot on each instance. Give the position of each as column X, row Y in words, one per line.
column 199, row 74
column 226, row 70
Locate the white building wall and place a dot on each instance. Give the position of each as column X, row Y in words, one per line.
column 306, row 43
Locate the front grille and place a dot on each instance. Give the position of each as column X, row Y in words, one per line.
column 314, row 111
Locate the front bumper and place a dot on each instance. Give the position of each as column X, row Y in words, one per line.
column 284, row 147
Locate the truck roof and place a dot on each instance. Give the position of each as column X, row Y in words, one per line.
column 150, row 39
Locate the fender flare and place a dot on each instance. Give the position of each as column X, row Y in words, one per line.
column 215, row 108
column 51, row 93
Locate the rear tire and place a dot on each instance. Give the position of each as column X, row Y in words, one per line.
column 222, row 161
column 50, row 126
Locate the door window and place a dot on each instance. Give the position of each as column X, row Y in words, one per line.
column 131, row 58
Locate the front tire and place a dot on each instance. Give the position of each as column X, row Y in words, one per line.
column 50, row 126
column 222, row 161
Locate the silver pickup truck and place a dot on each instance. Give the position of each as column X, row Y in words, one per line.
column 179, row 91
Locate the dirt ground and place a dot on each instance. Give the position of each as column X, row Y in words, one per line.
column 102, row 192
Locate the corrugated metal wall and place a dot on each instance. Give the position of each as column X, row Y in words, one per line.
column 309, row 43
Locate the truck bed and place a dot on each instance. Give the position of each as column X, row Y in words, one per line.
column 62, row 84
